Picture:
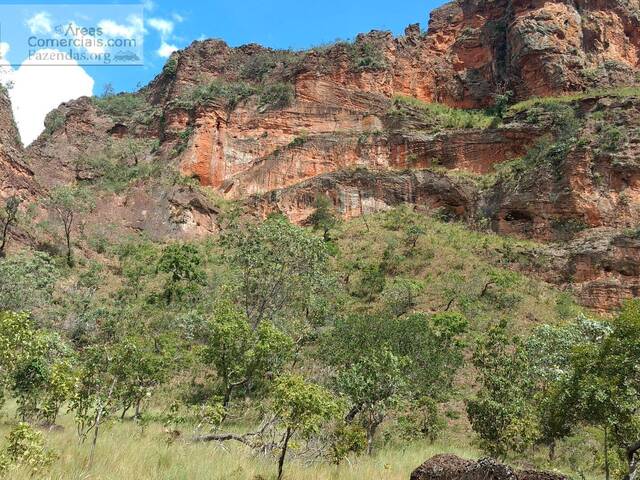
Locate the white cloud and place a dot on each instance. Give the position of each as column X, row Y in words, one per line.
column 133, row 29
column 113, row 29
column 166, row 50
column 165, row 27
column 177, row 17
column 38, row 89
column 149, row 5
column 4, row 49
column 40, row 23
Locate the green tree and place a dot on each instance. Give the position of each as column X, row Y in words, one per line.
column 605, row 386
column 379, row 360
column 502, row 414
column 373, row 384
column 140, row 366
column 33, row 367
column 8, row 218
column 400, row 296
column 183, row 264
column 27, row 283
column 25, row 448
column 549, row 351
column 302, row 408
column 297, row 408
column 242, row 356
column 282, row 271
column 95, row 397
column 324, row 217
column 17, row 342
column 67, row 203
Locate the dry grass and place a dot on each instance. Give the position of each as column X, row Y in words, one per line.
column 454, row 262
column 124, row 452
column 575, row 96
column 443, row 116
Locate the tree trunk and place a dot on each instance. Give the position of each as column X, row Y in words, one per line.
column 69, row 252
column 227, row 396
column 5, row 232
column 283, row 454
column 607, row 470
column 124, row 411
column 371, row 433
column 94, row 442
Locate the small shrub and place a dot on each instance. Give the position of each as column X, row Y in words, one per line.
column 610, row 138
column 568, row 227
column 367, row 56
column 440, row 116
column 619, row 92
column 25, row 449
column 119, row 163
column 54, row 121
column 171, row 67
column 347, row 439
column 372, row 282
column 228, row 93
column 299, row 141
column 276, row 96
column 258, row 65
column 183, row 141
column 422, row 420
column 122, row 106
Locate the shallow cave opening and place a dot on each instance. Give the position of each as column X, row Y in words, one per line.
column 518, row 216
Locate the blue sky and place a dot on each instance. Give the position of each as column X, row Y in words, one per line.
column 276, row 23
column 171, row 24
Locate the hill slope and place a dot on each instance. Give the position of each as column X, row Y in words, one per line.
column 357, row 121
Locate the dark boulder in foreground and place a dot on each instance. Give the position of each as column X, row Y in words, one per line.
column 451, row 467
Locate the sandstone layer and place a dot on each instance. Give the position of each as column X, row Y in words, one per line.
column 367, row 123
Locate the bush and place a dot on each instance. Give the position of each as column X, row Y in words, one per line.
column 440, row 116
column 171, row 67
column 27, row 282
column 619, row 92
column 610, row 138
column 276, row 96
column 25, row 448
column 122, row 106
column 53, row 121
column 367, row 56
column 118, row 164
column 228, row 93
column 258, row 65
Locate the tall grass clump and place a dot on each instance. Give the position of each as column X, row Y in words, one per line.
column 441, row 116
column 231, row 94
column 619, row 92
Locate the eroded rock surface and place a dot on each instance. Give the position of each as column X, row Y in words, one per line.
column 451, row 467
column 276, row 129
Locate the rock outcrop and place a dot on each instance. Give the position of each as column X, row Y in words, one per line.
column 451, row 467
column 357, row 122
column 16, row 178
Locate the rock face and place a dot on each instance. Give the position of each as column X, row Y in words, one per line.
column 472, row 51
column 356, row 122
column 361, row 192
column 16, row 178
column 451, row 467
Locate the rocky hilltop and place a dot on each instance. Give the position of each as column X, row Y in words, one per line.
column 521, row 117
